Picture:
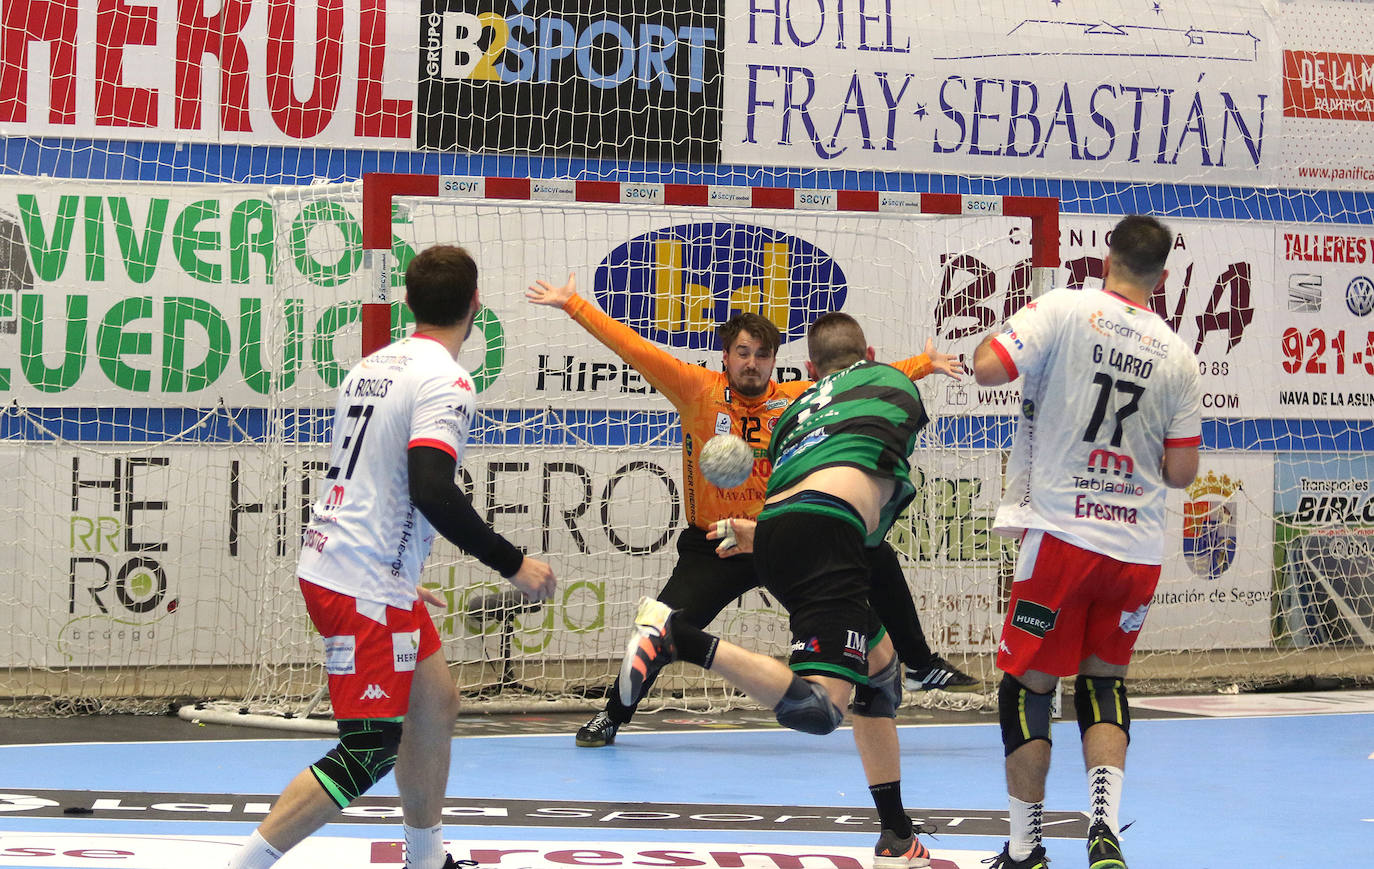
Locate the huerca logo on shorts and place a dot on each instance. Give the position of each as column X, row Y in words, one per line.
column 1033, row 618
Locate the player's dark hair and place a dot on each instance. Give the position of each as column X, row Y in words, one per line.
column 835, row 341
column 1139, row 246
column 440, row 284
column 758, row 327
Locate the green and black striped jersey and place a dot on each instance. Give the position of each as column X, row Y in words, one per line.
column 867, row 417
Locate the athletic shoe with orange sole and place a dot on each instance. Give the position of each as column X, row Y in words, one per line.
column 649, row 650
column 895, row 852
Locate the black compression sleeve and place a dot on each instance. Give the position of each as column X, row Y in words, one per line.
column 435, row 494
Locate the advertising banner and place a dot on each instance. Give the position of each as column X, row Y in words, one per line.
column 144, row 295
column 1328, row 96
column 335, row 74
column 168, row 553
column 1324, row 548
column 956, row 566
column 1090, row 89
column 1279, row 316
column 1214, row 297
column 631, row 80
column 1323, row 334
column 1216, row 584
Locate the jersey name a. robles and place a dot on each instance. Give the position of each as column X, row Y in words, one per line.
column 365, row 539
column 1108, row 385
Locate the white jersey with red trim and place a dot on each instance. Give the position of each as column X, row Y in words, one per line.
column 1107, row 385
column 365, row 538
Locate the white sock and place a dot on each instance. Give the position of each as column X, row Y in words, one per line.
column 1027, row 820
column 256, row 853
column 424, row 847
column 1104, row 796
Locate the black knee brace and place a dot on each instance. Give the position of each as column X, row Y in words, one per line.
column 1101, row 700
column 366, row 752
column 883, row 693
column 1025, row 715
column 806, row 707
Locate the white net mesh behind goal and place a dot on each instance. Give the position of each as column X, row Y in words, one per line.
column 173, row 350
column 575, row 457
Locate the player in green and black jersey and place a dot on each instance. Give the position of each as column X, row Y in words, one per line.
column 865, row 416
column 840, row 478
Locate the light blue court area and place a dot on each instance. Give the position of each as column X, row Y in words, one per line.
column 1222, row 784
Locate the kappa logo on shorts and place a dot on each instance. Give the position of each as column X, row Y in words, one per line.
column 1033, row 618
column 374, row 692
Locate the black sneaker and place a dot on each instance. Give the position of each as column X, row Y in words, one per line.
column 1036, row 860
column 598, row 732
column 894, row 852
column 450, row 863
column 940, row 674
column 1104, row 849
column 649, row 650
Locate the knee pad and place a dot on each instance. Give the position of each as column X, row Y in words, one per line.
column 1101, row 700
column 366, row 752
column 806, row 707
column 883, row 693
column 1025, row 715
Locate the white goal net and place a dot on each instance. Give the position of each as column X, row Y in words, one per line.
column 172, row 350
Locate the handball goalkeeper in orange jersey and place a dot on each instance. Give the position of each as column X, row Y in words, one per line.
column 745, row 396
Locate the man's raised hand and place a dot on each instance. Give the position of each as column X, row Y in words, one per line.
column 544, row 293
column 945, row 363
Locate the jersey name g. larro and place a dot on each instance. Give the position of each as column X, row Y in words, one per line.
column 865, row 416
column 365, row 538
column 1108, row 385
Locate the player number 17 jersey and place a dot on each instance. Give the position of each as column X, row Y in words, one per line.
column 1107, row 386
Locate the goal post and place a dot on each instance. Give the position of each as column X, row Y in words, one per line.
column 573, row 456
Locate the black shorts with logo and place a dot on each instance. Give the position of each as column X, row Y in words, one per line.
column 817, row 567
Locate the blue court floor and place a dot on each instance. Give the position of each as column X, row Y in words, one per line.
column 1211, row 783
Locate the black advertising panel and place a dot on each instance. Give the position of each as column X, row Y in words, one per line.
column 626, row 79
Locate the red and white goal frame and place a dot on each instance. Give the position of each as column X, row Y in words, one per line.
column 379, row 188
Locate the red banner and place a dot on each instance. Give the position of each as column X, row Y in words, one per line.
column 1328, row 84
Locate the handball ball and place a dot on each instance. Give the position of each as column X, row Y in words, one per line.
column 726, row 461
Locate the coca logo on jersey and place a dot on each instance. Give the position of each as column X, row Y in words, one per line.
column 675, row 285
column 464, row 384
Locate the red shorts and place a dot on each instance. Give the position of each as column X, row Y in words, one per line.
column 1068, row 604
column 370, row 664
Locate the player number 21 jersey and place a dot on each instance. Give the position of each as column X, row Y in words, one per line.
column 365, row 538
column 1107, row 386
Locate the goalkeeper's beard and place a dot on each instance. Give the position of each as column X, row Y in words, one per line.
column 749, row 391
